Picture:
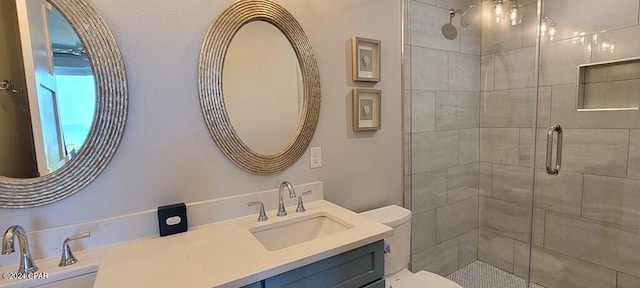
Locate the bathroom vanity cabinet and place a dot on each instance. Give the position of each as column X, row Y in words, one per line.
column 361, row 267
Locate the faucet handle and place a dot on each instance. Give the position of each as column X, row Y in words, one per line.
column 67, row 256
column 263, row 215
column 300, row 208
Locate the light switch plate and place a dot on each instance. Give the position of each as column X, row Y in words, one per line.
column 315, row 155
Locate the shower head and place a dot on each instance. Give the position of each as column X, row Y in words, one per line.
column 449, row 31
column 467, row 16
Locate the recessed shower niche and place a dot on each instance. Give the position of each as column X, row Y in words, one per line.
column 613, row 85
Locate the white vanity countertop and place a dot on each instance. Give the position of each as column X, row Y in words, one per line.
column 221, row 254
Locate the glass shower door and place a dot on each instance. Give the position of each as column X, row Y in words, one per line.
column 586, row 226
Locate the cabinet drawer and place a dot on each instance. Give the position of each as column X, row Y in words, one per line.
column 355, row 268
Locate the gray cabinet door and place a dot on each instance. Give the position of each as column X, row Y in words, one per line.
column 255, row 285
column 355, row 268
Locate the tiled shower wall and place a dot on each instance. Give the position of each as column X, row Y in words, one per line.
column 441, row 118
column 587, row 219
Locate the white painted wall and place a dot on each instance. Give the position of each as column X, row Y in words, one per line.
column 167, row 154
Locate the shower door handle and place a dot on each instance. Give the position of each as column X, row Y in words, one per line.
column 555, row 170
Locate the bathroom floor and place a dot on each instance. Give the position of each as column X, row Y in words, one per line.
column 482, row 275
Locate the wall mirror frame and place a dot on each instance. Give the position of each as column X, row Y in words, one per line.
column 108, row 124
column 212, row 56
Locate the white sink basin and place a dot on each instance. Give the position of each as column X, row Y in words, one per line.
column 298, row 230
column 70, row 277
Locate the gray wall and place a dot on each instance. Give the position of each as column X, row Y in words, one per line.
column 441, row 132
column 167, row 154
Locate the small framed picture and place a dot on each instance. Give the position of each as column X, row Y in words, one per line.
column 365, row 59
column 366, row 109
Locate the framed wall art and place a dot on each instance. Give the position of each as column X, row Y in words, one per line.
column 366, row 109
column 365, row 59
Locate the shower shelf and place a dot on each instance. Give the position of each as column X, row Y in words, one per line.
column 609, row 86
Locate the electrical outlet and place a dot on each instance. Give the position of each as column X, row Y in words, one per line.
column 315, row 157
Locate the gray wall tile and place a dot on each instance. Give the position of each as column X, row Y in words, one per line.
column 551, row 269
column 538, row 227
column 469, row 145
column 434, row 150
column 613, row 200
column 505, row 218
column 561, row 193
column 426, row 23
column 512, row 183
column 463, row 176
column 484, row 178
column 529, row 23
column 429, row 190
column 456, row 110
column 634, row 155
column 441, row 259
column 456, row 4
column 499, row 145
column 521, row 259
column 514, row 69
column 460, row 194
column 627, row 281
column 595, row 151
column 467, row 248
column 456, row 219
column 590, row 16
column 559, row 59
column 593, row 241
column 496, row 250
column 423, row 111
column 526, row 148
column 423, row 231
column 430, row 2
column 621, row 38
column 429, row 69
column 487, row 72
column 544, row 107
column 508, row 108
column 463, row 72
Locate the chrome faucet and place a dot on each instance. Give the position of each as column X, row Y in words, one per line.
column 26, row 263
column 292, row 194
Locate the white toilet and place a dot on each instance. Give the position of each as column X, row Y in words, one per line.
column 397, row 252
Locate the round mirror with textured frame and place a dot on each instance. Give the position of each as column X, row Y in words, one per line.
column 210, row 75
column 108, row 124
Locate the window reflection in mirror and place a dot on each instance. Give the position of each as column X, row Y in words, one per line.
column 263, row 90
column 46, row 123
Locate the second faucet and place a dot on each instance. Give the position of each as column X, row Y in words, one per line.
column 292, row 194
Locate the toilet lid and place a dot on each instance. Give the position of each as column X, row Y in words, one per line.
column 424, row 279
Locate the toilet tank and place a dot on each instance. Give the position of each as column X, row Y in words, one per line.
column 399, row 243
